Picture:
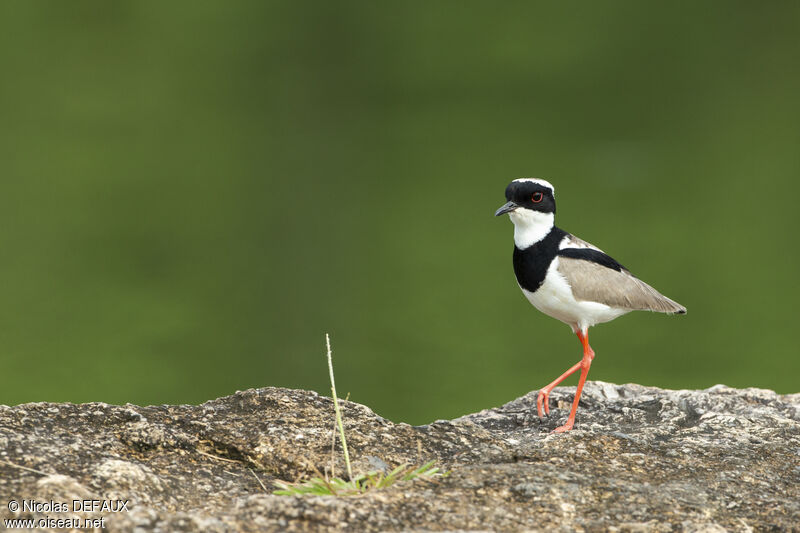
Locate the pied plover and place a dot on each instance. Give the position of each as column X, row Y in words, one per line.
column 569, row 279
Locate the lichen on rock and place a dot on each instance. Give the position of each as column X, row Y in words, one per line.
column 639, row 459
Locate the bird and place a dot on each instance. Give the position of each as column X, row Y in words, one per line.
column 570, row 279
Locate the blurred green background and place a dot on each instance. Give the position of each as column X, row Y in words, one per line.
column 193, row 193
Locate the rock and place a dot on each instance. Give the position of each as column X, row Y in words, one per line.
column 639, row 459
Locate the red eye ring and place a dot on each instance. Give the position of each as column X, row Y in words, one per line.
column 537, row 197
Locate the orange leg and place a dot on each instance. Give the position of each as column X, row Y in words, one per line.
column 586, row 362
column 543, row 399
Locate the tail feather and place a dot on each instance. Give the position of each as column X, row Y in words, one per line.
column 655, row 301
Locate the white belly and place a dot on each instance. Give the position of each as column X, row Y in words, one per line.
column 554, row 298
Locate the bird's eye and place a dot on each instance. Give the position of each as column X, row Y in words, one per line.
column 536, row 197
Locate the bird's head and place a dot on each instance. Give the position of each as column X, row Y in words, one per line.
column 531, row 206
column 528, row 194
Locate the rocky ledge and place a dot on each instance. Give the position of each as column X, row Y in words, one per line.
column 640, row 459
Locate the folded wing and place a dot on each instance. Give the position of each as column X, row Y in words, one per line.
column 596, row 277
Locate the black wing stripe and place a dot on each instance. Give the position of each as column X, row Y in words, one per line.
column 595, row 256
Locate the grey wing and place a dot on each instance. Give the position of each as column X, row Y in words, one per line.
column 593, row 282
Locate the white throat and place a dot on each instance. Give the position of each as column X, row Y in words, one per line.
column 530, row 226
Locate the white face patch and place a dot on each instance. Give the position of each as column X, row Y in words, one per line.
column 530, row 226
column 543, row 183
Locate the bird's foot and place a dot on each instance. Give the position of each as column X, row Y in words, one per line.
column 543, row 403
column 566, row 427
